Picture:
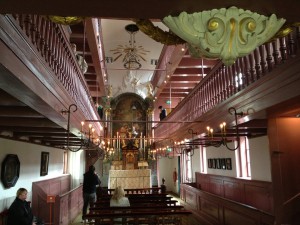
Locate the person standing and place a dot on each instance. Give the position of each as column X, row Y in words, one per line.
column 90, row 182
column 19, row 213
column 163, row 113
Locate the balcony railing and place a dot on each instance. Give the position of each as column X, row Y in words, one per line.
column 50, row 42
column 224, row 82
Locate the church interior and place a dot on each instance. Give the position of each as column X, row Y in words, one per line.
column 199, row 101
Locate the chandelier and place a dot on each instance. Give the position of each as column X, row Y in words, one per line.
column 217, row 141
column 169, row 148
column 132, row 54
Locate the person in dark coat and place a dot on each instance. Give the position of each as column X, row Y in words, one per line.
column 90, row 182
column 163, row 113
column 20, row 213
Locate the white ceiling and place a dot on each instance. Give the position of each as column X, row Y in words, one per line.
column 122, row 80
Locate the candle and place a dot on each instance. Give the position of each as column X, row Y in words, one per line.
column 82, row 123
column 117, row 140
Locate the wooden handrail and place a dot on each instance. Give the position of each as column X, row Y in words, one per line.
column 223, row 82
column 292, row 199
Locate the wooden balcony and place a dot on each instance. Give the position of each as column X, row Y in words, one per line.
column 40, row 77
column 256, row 83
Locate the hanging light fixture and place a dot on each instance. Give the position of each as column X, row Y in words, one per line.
column 88, row 140
column 211, row 140
column 132, row 54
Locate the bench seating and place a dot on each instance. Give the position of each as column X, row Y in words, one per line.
column 137, row 217
column 153, row 190
column 137, row 196
column 134, row 208
column 3, row 217
column 139, row 202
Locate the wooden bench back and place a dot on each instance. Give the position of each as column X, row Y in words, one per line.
column 139, row 217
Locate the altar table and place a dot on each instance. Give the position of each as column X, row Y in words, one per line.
column 130, row 179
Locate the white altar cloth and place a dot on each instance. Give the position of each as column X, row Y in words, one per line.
column 130, row 179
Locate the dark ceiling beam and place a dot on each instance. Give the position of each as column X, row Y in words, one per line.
column 18, row 111
column 191, row 71
column 88, row 76
column 33, row 129
column 179, row 85
column 176, row 95
column 156, row 9
column 176, row 90
column 27, row 122
column 192, row 62
column 36, row 135
column 7, row 99
column 92, row 38
column 189, row 78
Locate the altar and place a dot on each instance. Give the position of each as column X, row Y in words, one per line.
column 130, row 179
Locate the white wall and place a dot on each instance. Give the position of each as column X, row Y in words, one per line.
column 196, row 163
column 166, row 168
column 221, row 152
column 260, row 159
column 30, row 158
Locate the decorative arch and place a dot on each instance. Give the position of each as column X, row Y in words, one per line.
column 132, row 109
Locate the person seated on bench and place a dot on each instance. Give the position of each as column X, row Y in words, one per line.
column 19, row 213
column 118, row 198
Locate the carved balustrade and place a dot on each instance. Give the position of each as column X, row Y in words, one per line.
column 225, row 81
column 51, row 42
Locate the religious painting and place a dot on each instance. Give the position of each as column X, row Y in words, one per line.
column 10, row 170
column 44, row 163
column 128, row 110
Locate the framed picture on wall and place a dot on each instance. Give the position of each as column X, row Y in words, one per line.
column 209, row 163
column 228, row 164
column 44, row 163
column 214, row 163
column 10, row 170
column 223, row 163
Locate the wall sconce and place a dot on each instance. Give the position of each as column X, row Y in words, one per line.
column 88, row 144
column 224, row 139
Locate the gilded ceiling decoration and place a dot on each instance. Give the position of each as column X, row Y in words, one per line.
column 224, row 33
column 69, row 20
column 157, row 34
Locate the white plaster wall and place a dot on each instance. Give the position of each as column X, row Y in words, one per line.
column 221, row 152
column 166, row 168
column 30, row 158
column 196, row 167
column 260, row 159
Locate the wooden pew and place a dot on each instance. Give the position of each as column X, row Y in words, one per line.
column 3, row 217
column 95, row 210
column 137, row 217
column 153, row 190
column 137, row 196
column 139, row 202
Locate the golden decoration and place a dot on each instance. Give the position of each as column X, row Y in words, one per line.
column 69, row 20
column 157, row 34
